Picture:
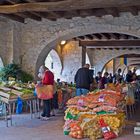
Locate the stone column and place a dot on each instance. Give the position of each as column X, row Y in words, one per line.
column 17, row 44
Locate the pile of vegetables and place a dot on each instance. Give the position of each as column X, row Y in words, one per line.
column 75, row 131
column 86, row 111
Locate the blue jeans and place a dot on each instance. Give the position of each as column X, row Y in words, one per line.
column 81, row 91
column 46, row 108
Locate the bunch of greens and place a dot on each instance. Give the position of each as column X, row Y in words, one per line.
column 15, row 71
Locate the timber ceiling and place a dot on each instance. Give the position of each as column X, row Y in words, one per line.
column 19, row 10
column 109, row 41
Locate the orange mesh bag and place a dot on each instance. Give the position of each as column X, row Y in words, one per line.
column 60, row 96
column 45, row 92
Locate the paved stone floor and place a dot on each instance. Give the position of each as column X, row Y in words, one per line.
column 25, row 128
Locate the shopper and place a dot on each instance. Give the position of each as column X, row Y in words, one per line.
column 47, row 79
column 103, row 81
column 129, row 78
column 98, row 77
column 110, row 78
column 54, row 101
column 83, row 79
column 118, row 78
column 134, row 75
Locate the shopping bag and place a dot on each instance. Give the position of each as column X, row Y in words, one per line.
column 19, row 106
column 34, row 92
column 45, row 92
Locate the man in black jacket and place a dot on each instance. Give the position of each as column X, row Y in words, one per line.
column 83, row 79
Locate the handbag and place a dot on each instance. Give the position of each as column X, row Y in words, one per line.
column 45, row 92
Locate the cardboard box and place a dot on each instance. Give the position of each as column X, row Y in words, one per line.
column 137, row 130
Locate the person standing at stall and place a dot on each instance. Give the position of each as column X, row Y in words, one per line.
column 134, row 75
column 47, row 79
column 83, row 79
column 103, row 81
column 118, row 77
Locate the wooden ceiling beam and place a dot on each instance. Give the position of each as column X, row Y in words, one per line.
column 14, row 17
column 70, row 14
column 26, row 14
column 113, row 43
column 81, row 37
column 35, row 13
column 47, row 15
column 135, row 64
column 66, row 5
column 136, row 60
column 30, row 1
column 11, row 2
column 122, row 36
column 90, row 37
column 99, row 12
column 113, row 11
column 104, row 36
column 78, row 39
column 133, row 56
column 95, row 37
column 31, row 15
column 84, row 13
column 113, row 36
column 134, row 10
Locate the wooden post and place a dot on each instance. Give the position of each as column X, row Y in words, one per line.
column 83, row 55
column 114, row 63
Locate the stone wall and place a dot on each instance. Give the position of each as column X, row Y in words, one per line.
column 72, row 60
column 33, row 41
column 6, row 41
column 101, row 57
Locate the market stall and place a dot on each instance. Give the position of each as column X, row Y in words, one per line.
column 17, row 98
column 96, row 115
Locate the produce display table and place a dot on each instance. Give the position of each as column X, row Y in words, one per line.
column 8, row 99
column 64, row 94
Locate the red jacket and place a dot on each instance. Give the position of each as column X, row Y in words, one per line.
column 48, row 78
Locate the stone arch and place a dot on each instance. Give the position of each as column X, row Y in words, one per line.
column 54, row 63
column 117, row 55
column 79, row 31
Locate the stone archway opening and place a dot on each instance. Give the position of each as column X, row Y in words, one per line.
column 53, row 62
column 1, row 63
column 115, row 63
column 82, row 31
column 138, row 71
column 87, row 59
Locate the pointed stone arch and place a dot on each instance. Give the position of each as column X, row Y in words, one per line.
column 67, row 34
column 53, row 62
column 123, row 67
column 1, row 63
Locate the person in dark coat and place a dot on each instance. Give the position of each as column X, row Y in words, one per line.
column 98, row 77
column 129, row 77
column 83, row 79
